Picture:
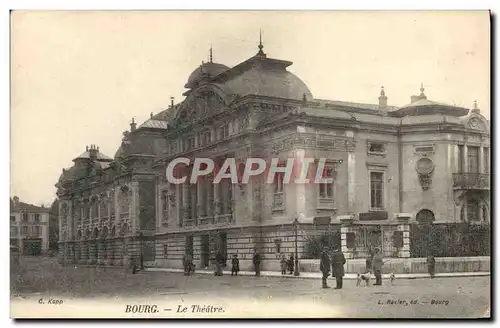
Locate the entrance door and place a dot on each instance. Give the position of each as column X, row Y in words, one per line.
column 205, row 251
column 148, row 252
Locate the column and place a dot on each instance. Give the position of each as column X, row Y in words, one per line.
column 481, row 159
column 134, row 206
column 456, row 160
column 346, row 227
column 404, row 226
column 217, row 207
column 201, row 201
column 464, row 209
column 210, row 196
column 185, row 202
column 465, row 161
column 351, row 180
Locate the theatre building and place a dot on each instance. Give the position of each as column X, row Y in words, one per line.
column 391, row 168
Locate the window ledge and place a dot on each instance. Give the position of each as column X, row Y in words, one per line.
column 377, row 210
column 374, row 153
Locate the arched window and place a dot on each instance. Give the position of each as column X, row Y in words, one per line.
column 425, row 217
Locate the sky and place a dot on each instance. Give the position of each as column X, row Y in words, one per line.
column 78, row 78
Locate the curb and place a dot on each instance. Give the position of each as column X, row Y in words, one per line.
column 313, row 275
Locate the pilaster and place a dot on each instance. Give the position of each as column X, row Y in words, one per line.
column 346, row 227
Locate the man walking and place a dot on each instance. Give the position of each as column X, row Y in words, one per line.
column 431, row 265
column 338, row 261
column 378, row 263
column 235, row 265
column 256, row 263
column 187, row 262
column 291, row 264
column 324, row 266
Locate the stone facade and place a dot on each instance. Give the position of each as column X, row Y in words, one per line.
column 390, row 167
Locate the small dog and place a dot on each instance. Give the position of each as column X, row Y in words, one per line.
column 392, row 278
column 366, row 277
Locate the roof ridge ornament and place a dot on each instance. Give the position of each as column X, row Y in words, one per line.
column 211, row 54
column 475, row 108
column 422, row 89
column 261, row 46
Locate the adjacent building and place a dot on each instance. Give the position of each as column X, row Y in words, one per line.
column 426, row 163
column 29, row 227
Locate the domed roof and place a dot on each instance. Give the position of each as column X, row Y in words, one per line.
column 209, row 69
column 268, row 82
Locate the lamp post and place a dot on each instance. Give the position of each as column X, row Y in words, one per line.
column 296, row 266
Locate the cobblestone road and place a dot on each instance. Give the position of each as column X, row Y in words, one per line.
column 440, row 297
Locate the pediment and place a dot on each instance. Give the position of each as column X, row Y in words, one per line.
column 476, row 122
column 202, row 102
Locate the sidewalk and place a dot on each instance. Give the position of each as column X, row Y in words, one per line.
column 317, row 275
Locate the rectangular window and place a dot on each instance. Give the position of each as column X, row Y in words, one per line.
column 277, row 242
column 164, row 200
column 25, row 230
column 460, row 158
column 13, row 231
column 103, row 208
column 473, row 159
column 95, row 209
column 278, row 195
column 12, row 219
column 206, row 138
column 472, row 210
column 326, row 189
column 486, row 159
column 36, row 231
column 376, row 147
column 191, row 143
column 173, row 148
column 224, row 131
column 37, row 218
column 25, row 217
column 377, row 190
column 165, row 251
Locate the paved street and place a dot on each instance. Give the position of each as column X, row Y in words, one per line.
column 253, row 296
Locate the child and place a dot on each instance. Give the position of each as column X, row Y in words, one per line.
column 283, row 263
column 235, row 265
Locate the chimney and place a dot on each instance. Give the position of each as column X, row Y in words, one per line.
column 16, row 200
column 382, row 99
column 171, row 102
column 93, row 152
column 133, row 125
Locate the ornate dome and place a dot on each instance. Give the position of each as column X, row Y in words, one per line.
column 270, row 83
column 209, row 69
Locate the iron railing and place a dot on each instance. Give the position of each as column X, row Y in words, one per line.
column 471, row 181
